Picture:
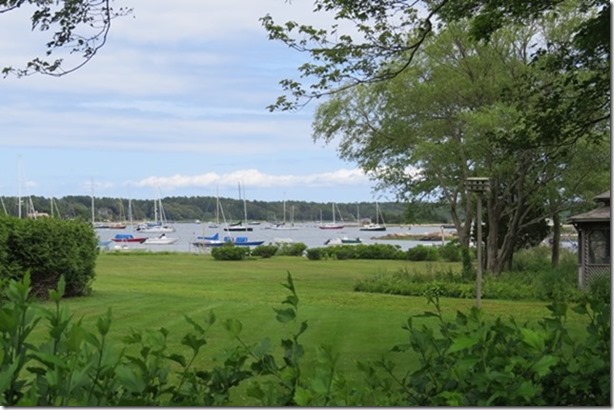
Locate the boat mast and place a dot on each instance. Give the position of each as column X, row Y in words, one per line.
column 244, row 202
column 130, row 212
column 92, row 186
column 19, row 172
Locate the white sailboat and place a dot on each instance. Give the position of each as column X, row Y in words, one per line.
column 283, row 226
column 159, row 225
column 332, row 225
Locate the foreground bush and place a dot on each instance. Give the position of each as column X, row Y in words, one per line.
column 292, row 249
column 468, row 361
column 229, row 252
column 49, row 248
column 265, row 251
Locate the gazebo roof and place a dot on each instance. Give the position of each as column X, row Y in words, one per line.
column 600, row 214
column 604, row 197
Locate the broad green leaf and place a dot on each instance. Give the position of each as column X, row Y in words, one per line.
column 234, row 327
column 179, row 358
column 532, row 338
column 285, row 315
column 303, row 397
column 195, row 325
column 130, row 381
column 7, row 375
column 462, row 343
column 543, row 365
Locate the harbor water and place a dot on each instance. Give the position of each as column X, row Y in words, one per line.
column 309, row 234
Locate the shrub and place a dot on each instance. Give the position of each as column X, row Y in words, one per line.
column 292, row 249
column 49, row 248
column 534, row 259
column 422, row 253
column 229, row 252
column 265, row 251
column 451, row 251
column 342, row 252
column 601, row 288
column 379, row 251
column 315, row 254
column 468, row 272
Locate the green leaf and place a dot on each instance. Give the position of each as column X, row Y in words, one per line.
column 532, row 338
column 543, row 365
column 403, row 347
column 104, row 323
column 194, row 342
column 320, row 385
column 234, row 327
column 463, row 343
column 303, row 397
column 177, row 358
column 285, row 315
column 6, row 376
column 527, row 390
column 129, row 380
column 195, row 325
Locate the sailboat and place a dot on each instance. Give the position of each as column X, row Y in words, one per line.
column 282, row 226
column 119, row 225
column 333, row 225
column 159, row 225
column 216, row 224
column 239, row 227
column 215, row 240
column 375, row 226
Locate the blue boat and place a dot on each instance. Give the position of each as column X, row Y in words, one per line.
column 127, row 237
column 213, row 241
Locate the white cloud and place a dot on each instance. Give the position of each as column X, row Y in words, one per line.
column 255, row 178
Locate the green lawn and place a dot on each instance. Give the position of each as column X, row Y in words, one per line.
column 149, row 291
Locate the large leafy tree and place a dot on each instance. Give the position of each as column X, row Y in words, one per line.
column 451, row 115
column 78, row 29
column 386, row 35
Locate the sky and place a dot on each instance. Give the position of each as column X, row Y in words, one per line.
column 173, row 105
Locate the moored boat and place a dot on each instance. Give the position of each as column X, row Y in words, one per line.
column 343, row 241
column 128, row 237
column 160, row 240
column 214, row 241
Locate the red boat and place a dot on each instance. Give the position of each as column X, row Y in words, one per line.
column 127, row 237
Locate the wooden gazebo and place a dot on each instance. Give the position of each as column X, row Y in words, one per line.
column 594, row 240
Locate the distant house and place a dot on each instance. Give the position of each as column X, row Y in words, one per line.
column 594, row 244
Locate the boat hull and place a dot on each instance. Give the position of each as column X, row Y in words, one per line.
column 373, row 228
column 160, row 241
column 128, row 239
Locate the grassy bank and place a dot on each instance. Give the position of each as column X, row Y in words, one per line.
column 150, row 291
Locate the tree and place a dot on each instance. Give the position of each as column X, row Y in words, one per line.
column 448, row 116
column 391, row 32
column 79, row 27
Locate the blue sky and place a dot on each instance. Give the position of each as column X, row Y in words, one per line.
column 175, row 101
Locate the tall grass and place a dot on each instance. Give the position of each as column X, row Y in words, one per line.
column 532, row 278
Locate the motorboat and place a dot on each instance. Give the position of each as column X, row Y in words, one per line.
column 160, row 240
column 128, row 237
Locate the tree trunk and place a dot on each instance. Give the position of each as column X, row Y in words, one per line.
column 556, row 239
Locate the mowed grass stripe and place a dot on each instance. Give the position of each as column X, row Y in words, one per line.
column 150, row 291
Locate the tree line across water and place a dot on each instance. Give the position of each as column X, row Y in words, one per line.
column 203, row 208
